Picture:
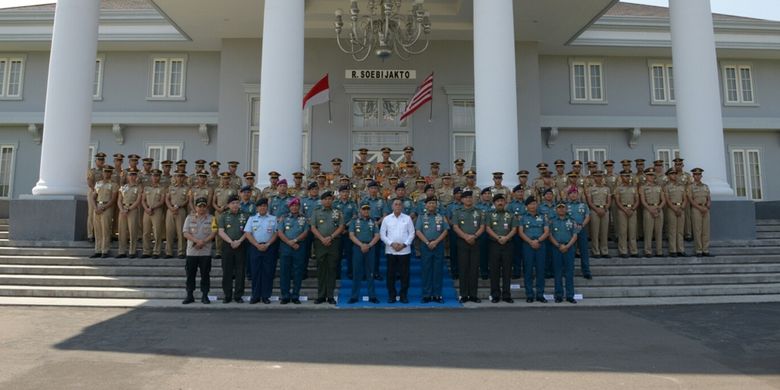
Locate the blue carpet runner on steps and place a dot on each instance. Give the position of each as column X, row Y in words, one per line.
column 415, row 289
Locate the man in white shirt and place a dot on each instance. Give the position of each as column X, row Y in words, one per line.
column 397, row 233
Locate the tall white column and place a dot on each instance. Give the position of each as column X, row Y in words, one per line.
column 495, row 90
column 67, row 121
column 696, row 88
column 281, row 88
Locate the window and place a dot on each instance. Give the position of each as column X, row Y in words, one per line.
column 91, row 156
column 168, row 78
column 662, row 83
column 254, row 134
column 166, row 151
column 587, row 154
column 6, row 170
column 462, row 114
column 746, row 169
column 11, row 77
column 738, row 84
column 378, row 114
column 464, row 145
column 97, row 86
column 587, row 81
column 667, row 155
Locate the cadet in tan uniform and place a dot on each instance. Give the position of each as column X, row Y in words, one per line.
column 368, row 168
column 93, row 175
column 200, row 165
column 181, row 167
column 104, row 199
column 118, row 177
column 145, row 176
column 270, row 191
column 335, row 175
column 444, row 193
column 612, row 180
column 685, row 179
column 129, row 202
column 498, row 188
column 176, row 199
column 599, row 200
column 213, row 179
column 434, row 178
column 235, row 181
column 298, row 189
column 471, row 182
column 249, row 180
column 639, row 180
column 220, row 204
column 675, row 192
column 701, row 202
column 538, row 182
column 200, row 189
column 561, row 179
column 459, row 176
column 315, row 168
column 166, row 179
column 627, row 202
column 153, row 203
column 653, row 202
column 527, row 189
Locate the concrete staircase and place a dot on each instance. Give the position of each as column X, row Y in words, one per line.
column 742, row 271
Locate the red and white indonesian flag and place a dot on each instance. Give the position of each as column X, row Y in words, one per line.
column 423, row 95
column 319, row 93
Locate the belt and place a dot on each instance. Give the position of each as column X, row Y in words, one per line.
column 102, row 203
column 627, row 205
column 127, row 205
column 653, row 205
column 677, row 204
column 601, row 207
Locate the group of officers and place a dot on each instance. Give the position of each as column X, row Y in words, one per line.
column 532, row 230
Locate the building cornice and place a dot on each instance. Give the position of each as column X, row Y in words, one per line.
column 124, row 118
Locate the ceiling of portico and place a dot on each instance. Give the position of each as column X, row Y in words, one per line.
column 552, row 23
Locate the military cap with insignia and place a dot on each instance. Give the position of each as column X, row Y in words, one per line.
column 225, row 175
column 363, row 150
column 435, row 164
column 697, row 171
column 312, row 185
column 119, row 156
column 598, row 172
column 180, row 174
column 336, row 160
column 232, row 198
column 625, row 173
column 134, row 157
column 249, row 174
column 609, row 163
column 466, row 194
column 385, row 150
column 100, row 156
column 409, row 149
column 678, row 160
column 296, row 175
column 498, row 174
column 109, row 169
column 529, row 200
column 639, row 161
column 200, row 162
column 419, row 179
column 365, row 206
column 166, row 163
column 625, row 162
column 457, row 190
column 649, row 171
column 147, row 160
column 446, row 175
column 326, row 194
column 498, row 197
column 671, row 171
column 215, row 164
column 410, row 163
column 459, row 161
column 592, row 163
column 202, row 173
column 274, row 175
column 517, row 188
column 357, row 164
column 485, row 191
column 201, row 202
column 522, row 173
column 576, row 163
column 431, row 199
column 315, row 164
column 232, row 163
column 572, row 174
column 156, row 172
column 132, row 171
column 344, row 187
column 542, row 165
column 658, row 163
column 181, row 162
column 471, row 173
column 246, row 189
column 560, row 204
column 559, row 162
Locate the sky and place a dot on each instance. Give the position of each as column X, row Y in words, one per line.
column 761, row 9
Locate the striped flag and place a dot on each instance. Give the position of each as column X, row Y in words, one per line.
column 319, row 93
column 423, row 95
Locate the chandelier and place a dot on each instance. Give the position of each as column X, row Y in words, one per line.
column 384, row 30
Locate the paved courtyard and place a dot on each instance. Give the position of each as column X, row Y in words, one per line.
column 669, row 347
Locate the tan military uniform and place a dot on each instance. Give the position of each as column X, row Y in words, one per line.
column 221, row 195
column 612, row 181
column 174, row 219
column 502, row 190
column 652, row 225
column 458, row 180
column 154, row 198
column 700, row 194
column 268, row 192
column 235, row 182
column 129, row 219
column 445, row 195
column 105, row 192
column 561, row 183
column 626, row 195
column 686, row 179
column 213, row 181
column 675, row 195
column 93, row 175
column 198, row 192
column 599, row 225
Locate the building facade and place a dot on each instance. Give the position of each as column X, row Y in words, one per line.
column 591, row 81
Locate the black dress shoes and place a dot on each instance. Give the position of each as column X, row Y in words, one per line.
column 494, row 300
column 331, row 301
column 168, row 257
column 254, row 300
column 266, row 301
column 571, row 300
column 475, row 300
column 391, row 300
column 121, row 256
column 426, row 300
column 188, row 300
column 105, row 256
column 588, row 276
column 319, row 301
column 558, row 299
column 509, row 300
column 404, row 300
column 541, row 299
column 373, row 300
column 352, row 301
column 529, row 300
column 205, row 299
column 296, row 301
column 463, row 299
column 438, row 299
column 146, row 256
column 227, row 300
column 95, row 256
column 239, row 300
column 284, row 301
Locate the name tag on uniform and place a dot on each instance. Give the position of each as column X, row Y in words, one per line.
column 357, row 230
column 438, row 228
column 228, row 226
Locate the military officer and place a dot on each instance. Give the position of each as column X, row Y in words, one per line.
column 452, row 238
column 658, row 167
column 104, row 199
column 407, row 158
column 181, row 167
column 639, row 180
column 563, row 235
column 626, row 200
column 701, row 202
column 261, row 231
column 314, row 170
column 199, row 189
column 434, row 178
column 444, row 191
column 364, row 234
column 200, row 165
column 560, row 178
column 366, row 166
column 358, row 174
column 166, row 179
column 335, row 175
column 408, row 205
column 293, row 230
column 213, row 179
column 235, row 181
column 685, row 179
column 270, row 191
column 653, row 202
column 386, row 166
column 176, row 200
column 199, row 229
column 327, row 224
column 278, row 204
column 377, row 205
column 471, row 182
column 517, row 207
column 527, row 190
column 467, row 223
column 498, row 188
column 576, row 168
column 298, row 189
column 626, row 164
column 145, row 176
column 118, row 175
column 579, row 212
column 129, row 201
column 349, row 211
column 418, row 194
column 322, row 182
column 599, row 199
column 221, row 195
column 409, row 172
column 611, row 180
column 459, row 177
column 547, row 209
column 431, row 229
column 308, row 204
column 533, row 230
column 500, row 227
column 674, row 193
column 93, row 175
column 246, row 204
column 537, row 183
column 249, row 180
column 230, row 227
column 153, row 203
column 573, row 182
column 484, row 205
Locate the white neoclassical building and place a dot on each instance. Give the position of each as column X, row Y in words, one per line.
column 516, row 82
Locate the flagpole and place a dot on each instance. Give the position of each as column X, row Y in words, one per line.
column 330, row 114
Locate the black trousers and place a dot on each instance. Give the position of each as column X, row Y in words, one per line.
column 192, row 265
column 233, row 267
column 500, row 268
column 468, row 267
column 397, row 264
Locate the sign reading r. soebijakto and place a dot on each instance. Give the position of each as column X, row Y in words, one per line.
column 380, row 74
